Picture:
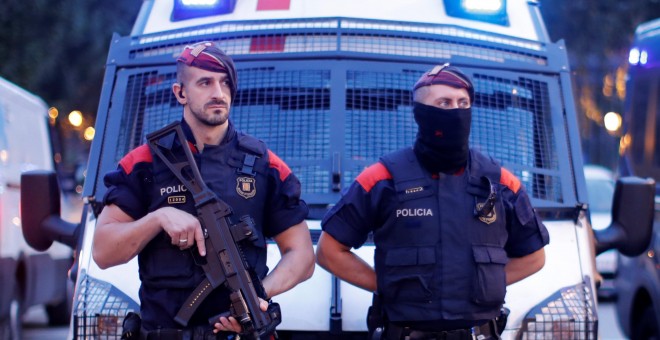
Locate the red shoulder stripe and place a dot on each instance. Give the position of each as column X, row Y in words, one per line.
column 279, row 165
column 510, row 180
column 372, row 175
column 137, row 155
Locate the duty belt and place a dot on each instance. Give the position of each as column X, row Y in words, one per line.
column 193, row 333
column 486, row 331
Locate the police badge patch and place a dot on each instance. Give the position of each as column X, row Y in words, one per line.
column 486, row 218
column 246, row 187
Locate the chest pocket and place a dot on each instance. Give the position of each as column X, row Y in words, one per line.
column 489, row 278
column 408, row 274
column 489, row 285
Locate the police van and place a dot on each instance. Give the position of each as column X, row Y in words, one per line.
column 327, row 85
column 27, row 278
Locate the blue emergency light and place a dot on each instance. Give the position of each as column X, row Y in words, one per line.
column 189, row 9
column 491, row 11
column 637, row 57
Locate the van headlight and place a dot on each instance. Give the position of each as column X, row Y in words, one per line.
column 570, row 313
column 99, row 309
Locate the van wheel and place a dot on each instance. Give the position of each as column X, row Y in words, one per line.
column 647, row 327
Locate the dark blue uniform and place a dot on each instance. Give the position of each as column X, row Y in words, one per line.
column 244, row 174
column 439, row 263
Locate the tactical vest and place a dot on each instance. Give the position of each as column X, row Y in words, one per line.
column 436, row 258
column 237, row 172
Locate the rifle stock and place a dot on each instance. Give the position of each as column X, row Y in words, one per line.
column 224, row 264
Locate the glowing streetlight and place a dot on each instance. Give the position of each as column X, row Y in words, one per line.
column 53, row 113
column 89, row 133
column 612, row 121
column 75, row 118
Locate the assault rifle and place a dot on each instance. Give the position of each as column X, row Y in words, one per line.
column 224, row 264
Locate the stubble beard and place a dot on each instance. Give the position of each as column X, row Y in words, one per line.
column 211, row 117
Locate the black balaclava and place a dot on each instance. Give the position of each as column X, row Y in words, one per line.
column 442, row 137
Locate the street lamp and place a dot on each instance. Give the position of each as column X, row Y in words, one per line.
column 89, row 133
column 612, row 121
column 75, row 118
column 52, row 115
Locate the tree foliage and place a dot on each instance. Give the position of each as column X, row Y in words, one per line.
column 58, row 49
column 598, row 35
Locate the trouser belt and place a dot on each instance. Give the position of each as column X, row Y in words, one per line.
column 194, row 333
column 487, row 331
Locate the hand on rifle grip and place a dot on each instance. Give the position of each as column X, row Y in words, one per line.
column 227, row 323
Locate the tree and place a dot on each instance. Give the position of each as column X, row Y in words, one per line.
column 57, row 50
column 598, row 35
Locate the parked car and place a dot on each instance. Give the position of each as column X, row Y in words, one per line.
column 600, row 192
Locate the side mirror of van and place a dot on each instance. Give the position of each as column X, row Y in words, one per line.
column 40, row 212
column 633, row 209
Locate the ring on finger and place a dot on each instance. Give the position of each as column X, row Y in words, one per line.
column 183, row 240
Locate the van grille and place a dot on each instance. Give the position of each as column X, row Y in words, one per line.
column 329, row 116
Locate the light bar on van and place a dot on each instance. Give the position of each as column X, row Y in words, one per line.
column 491, row 11
column 190, row 9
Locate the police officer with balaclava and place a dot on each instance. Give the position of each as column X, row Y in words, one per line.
column 452, row 228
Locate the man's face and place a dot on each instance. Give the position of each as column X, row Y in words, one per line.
column 207, row 95
column 444, row 97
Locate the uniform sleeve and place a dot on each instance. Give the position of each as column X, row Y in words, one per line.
column 527, row 233
column 284, row 207
column 359, row 210
column 346, row 221
column 126, row 190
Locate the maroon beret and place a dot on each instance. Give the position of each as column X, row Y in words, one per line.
column 446, row 75
column 208, row 56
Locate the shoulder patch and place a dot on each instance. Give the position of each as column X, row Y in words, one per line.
column 372, row 175
column 137, row 155
column 510, row 180
column 279, row 165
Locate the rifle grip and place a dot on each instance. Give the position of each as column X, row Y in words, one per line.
column 216, row 318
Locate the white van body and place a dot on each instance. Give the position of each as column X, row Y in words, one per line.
column 25, row 145
column 326, row 84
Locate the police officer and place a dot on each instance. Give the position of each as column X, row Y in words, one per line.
column 451, row 227
column 149, row 213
